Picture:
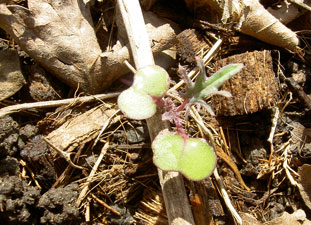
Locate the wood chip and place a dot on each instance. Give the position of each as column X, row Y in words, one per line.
column 253, row 89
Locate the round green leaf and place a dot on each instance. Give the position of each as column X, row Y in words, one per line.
column 152, row 80
column 193, row 157
column 136, row 105
column 198, row 160
column 167, row 149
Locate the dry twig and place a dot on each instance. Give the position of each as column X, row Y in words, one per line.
column 85, row 188
column 175, row 197
column 272, row 131
column 49, row 104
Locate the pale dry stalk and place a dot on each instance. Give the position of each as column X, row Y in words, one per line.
column 175, row 197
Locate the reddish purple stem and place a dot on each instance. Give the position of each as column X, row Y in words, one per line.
column 176, row 118
column 182, row 106
column 158, row 101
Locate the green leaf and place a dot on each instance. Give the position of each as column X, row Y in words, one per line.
column 167, row 148
column 193, row 157
column 217, row 79
column 136, row 105
column 199, row 159
column 152, row 80
column 205, row 86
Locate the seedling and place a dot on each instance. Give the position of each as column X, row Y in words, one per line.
column 175, row 151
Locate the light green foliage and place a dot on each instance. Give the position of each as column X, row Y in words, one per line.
column 199, row 159
column 137, row 101
column 167, row 150
column 205, row 86
column 136, row 105
column 151, row 80
column 193, row 157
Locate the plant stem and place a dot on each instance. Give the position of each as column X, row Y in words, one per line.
column 182, row 106
column 180, row 129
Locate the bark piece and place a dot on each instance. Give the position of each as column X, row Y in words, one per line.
column 11, row 77
column 254, row 88
column 190, row 42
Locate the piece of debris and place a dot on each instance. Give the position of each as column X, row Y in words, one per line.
column 253, row 89
column 12, row 79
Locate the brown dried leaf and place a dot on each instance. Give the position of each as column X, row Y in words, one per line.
column 252, row 19
column 80, row 129
column 305, row 184
column 296, row 218
column 60, row 35
column 11, row 77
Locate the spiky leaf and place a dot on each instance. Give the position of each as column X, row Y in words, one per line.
column 212, row 83
column 205, row 86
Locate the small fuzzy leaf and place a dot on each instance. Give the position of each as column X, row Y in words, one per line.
column 152, row 80
column 199, row 159
column 136, row 105
column 193, row 157
column 167, row 149
column 218, row 78
column 201, row 79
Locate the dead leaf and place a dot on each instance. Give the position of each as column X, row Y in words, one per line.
column 80, row 129
column 11, row 77
column 305, row 184
column 59, row 35
column 252, row 19
column 296, row 218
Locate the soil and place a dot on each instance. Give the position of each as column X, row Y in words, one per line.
column 39, row 186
